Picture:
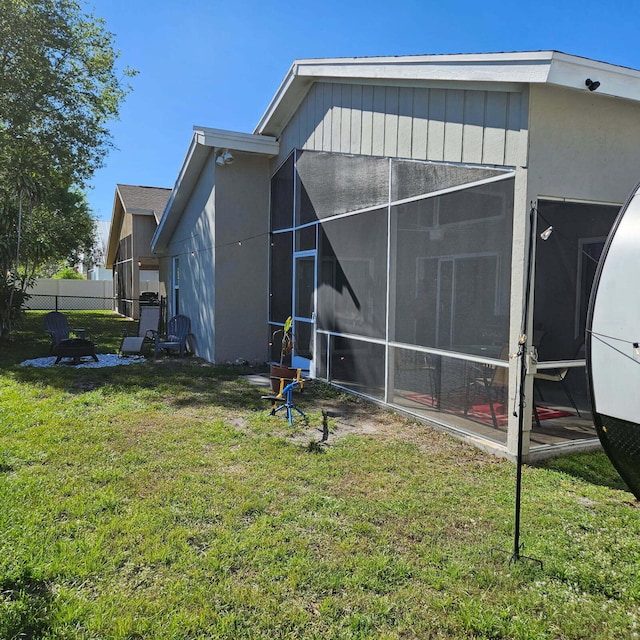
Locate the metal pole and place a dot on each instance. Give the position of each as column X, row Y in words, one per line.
column 522, row 355
column 521, row 403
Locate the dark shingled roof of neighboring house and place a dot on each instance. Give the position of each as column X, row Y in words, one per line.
column 144, row 200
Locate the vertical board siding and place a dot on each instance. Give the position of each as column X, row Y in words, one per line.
column 419, row 124
column 473, row 126
column 367, row 121
column 379, row 120
column 337, row 118
column 454, row 125
column 318, row 104
column 356, row 119
column 392, row 97
column 495, row 131
column 435, row 134
column 345, row 119
column 327, row 99
column 515, row 145
column 405, row 122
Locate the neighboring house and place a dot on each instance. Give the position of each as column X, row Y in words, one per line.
column 97, row 269
column 385, row 203
column 136, row 211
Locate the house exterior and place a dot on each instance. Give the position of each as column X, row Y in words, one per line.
column 136, row 211
column 97, row 269
column 390, row 205
column 213, row 243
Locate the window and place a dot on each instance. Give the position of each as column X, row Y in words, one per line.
column 176, row 285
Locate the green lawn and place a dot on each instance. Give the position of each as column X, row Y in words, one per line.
column 158, row 500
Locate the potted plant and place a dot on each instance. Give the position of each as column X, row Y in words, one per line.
column 279, row 371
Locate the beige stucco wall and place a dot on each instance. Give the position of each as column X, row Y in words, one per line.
column 242, row 258
column 582, row 145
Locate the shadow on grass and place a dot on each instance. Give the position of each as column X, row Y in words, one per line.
column 182, row 382
column 187, row 382
column 28, row 607
column 593, row 467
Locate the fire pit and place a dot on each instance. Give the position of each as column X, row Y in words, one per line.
column 75, row 348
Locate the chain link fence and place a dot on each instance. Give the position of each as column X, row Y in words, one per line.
column 50, row 302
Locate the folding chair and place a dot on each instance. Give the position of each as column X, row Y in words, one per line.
column 147, row 330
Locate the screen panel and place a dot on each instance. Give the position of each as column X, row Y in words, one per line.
column 566, row 262
column 452, row 257
column 453, row 390
column 282, row 196
column 280, row 295
column 352, row 286
column 358, row 365
column 410, row 178
column 330, row 184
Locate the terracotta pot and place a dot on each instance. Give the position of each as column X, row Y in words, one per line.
column 277, row 372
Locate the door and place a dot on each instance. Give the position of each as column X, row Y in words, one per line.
column 304, row 310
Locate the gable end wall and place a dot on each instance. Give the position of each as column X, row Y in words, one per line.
column 439, row 124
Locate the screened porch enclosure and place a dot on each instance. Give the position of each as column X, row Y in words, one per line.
column 398, row 277
column 565, row 266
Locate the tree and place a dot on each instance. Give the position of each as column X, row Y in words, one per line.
column 68, row 273
column 59, row 233
column 59, row 89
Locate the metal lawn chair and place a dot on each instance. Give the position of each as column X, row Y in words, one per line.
column 177, row 338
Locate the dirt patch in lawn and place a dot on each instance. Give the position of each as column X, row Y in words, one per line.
column 357, row 416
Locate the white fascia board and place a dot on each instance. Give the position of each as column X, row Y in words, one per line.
column 290, row 93
column 204, row 141
column 443, row 68
column 572, row 72
column 114, row 228
column 237, row 141
column 513, row 68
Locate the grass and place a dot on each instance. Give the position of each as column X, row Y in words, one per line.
column 159, row 500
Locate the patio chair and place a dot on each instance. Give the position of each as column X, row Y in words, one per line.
column 177, row 338
column 558, row 375
column 555, row 375
column 493, row 383
column 57, row 326
column 148, row 325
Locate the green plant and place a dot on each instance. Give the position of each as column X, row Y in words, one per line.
column 12, row 300
column 68, row 273
column 287, row 340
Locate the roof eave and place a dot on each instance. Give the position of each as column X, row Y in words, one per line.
column 500, row 69
column 204, row 141
column 114, row 230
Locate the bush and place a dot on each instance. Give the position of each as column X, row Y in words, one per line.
column 12, row 300
column 68, row 274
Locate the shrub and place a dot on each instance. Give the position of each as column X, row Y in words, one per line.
column 67, row 273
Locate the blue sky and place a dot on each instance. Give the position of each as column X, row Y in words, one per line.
column 218, row 63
